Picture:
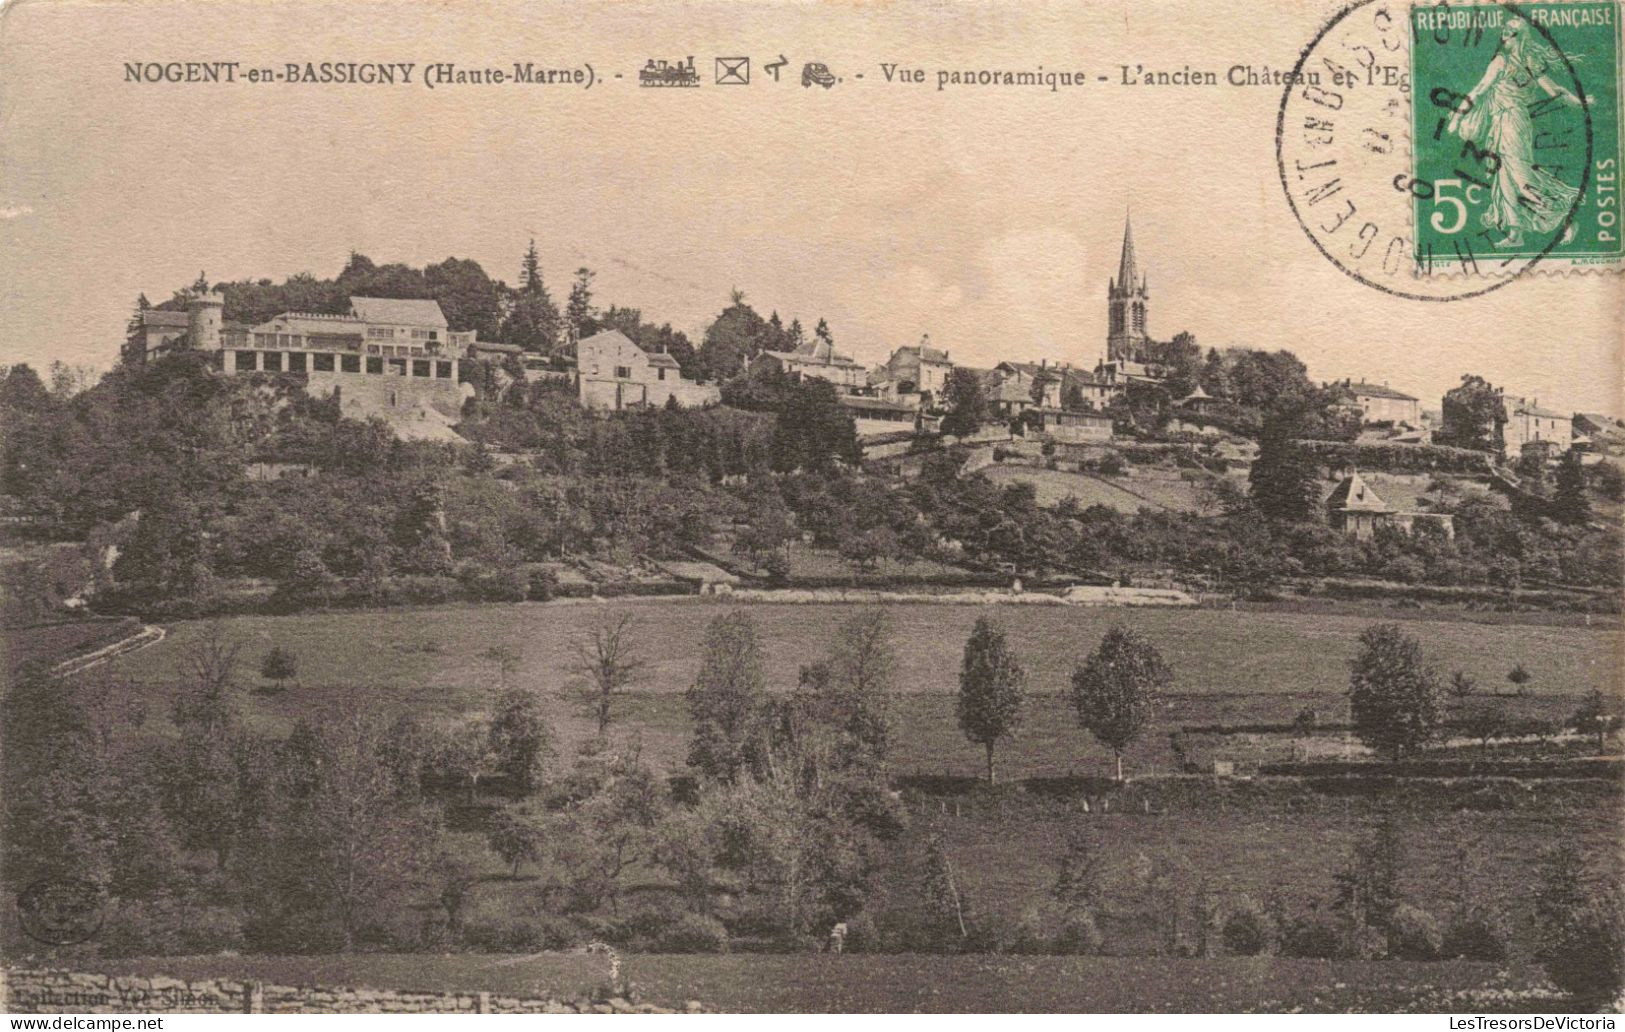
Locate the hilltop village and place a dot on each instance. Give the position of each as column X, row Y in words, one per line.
column 627, row 457
column 411, row 613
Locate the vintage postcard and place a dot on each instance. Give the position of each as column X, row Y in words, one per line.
column 922, row 506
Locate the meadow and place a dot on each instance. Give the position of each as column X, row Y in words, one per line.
column 1229, row 666
column 853, row 983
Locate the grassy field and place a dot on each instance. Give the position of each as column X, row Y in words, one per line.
column 1229, row 666
column 921, row 984
column 1053, row 486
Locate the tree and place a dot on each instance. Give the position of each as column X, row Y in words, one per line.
column 348, row 843
column 1473, row 416
column 467, row 296
column 813, row 431
column 1461, row 685
column 204, row 705
column 517, row 836
column 866, row 549
column 726, row 700
column 991, row 687
column 578, row 309
column 279, row 665
column 850, row 691
column 1518, row 677
column 1570, row 503
column 1560, row 891
column 940, row 888
column 1284, row 479
column 1485, row 722
column 519, row 739
column 606, row 662
column 1591, row 717
column 1115, row 690
column 963, row 397
column 1393, row 693
column 1368, row 886
column 1078, row 879
column 736, row 336
column 533, row 321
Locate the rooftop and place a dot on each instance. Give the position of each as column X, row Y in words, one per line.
column 1542, row 413
column 400, row 311
column 1378, row 390
column 1354, row 495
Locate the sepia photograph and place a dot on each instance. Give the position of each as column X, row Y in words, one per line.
column 802, row 507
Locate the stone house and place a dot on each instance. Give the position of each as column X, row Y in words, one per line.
column 614, row 373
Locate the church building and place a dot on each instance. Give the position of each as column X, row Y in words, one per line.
column 1127, row 342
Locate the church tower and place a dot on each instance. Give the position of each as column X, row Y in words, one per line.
column 1125, row 302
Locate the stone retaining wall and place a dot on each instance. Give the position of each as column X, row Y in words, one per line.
column 52, row 991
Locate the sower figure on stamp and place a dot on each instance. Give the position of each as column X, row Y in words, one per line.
column 1523, row 196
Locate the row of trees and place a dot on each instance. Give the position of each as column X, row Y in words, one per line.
column 1114, row 691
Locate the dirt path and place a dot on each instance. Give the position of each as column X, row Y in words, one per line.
column 149, row 634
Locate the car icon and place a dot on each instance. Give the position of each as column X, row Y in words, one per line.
column 817, row 72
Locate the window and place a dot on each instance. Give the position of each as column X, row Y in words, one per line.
column 442, row 370
column 245, row 361
column 661, row 372
column 375, row 365
column 623, row 372
column 296, row 362
column 263, row 340
column 420, row 367
column 273, row 361
column 376, row 332
column 321, row 363
column 397, row 366
column 351, row 363
column 282, row 340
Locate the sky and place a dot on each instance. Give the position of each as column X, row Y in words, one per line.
column 990, row 219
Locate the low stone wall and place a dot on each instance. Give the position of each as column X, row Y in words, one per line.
column 50, row 991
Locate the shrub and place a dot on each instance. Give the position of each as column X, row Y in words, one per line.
column 1474, row 935
column 1048, row 929
column 861, row 935
column 1314, row 935
column 693, row 933
column 1586, row 957
column 540, row 932
column 1414, row 934
column 542, row 586
column 493, row 584
column 1078, row 934
column 1248, row 931
column 142, row 928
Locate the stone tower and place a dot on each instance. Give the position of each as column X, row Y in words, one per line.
column 204, row 313
column 1125, row 302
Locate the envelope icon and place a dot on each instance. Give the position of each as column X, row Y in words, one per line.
column 733, row 71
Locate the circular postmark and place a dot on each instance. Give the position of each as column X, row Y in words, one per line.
column 1352, row 128
column 60, row 911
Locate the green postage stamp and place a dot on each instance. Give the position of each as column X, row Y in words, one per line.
column 1515, row 112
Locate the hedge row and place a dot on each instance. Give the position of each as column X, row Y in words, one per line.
column 1400, row 458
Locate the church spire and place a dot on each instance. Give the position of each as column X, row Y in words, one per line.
column 1125, row 306
column 1128, row 274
